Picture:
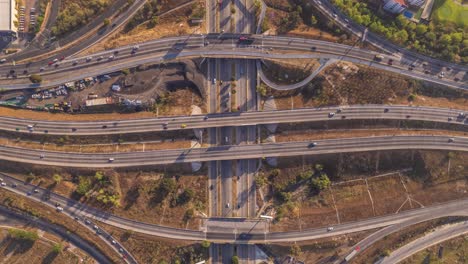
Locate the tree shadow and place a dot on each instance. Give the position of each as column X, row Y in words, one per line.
column 19, row 246
column 50, row 257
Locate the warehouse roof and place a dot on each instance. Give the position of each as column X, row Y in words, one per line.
column 7, row 15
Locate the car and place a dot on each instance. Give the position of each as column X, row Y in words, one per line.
column 95, row 227
column 77, row 218
column 104, row 126
column 226, row 139
column 87, row 222
column 59, row 209
column 390, row 61
column 2, row 60
column 121, row 250
column 1, row 179
column 214, row 80
column 50, row 63
column 113, row 242
column 110, row 160
column 339, row 110
column 116, row 52
column 228, row 205
column 57, row 204
column 42, row 156
column 205, row 118
column 56, row 65
column 28, row 193
column 330, row 228
column 13, row 185
column 111, row 57
column 238, row 206
column 311, row 145
column 25, row 71
column 346, row 20
column 41, row 69
column 461, row 114
column 335, row 15
column 136, row 47
column 55, row 60
column 450, row 118
column 408, row 116
column 450, row 140
column 88, row 59
column 62, row 58
column 211, row 187
column 3, row 184
column 98, row 231
column 100, row 58
column 331, row 114
column 75, row 63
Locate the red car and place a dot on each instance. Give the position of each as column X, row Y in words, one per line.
column 62, row 58
column 51, row 62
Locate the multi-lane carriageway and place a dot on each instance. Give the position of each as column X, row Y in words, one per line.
column 355, row 112
column 228, row 152
column 196, row 46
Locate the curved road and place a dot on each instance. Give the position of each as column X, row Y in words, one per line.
column 228, row 152
column 439, row 235
column 354, row 112
column 217, row 46
column 453, row 208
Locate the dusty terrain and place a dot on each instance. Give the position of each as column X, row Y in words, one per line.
column 364, row 185
column 137, row 189
column 40, row 251
column 342, row 84
column 150, row 249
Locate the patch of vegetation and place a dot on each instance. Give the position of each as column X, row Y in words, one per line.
column 35, row 78
column 443, row 39
column 198, row 11
column 100, row 188
column 450, row 11
column 149, row 11
column 76, row 14
column 23, row 234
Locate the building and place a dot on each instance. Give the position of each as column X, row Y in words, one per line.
column 416, row 3
column 8, row 18
column 395, row 6
column 99, row 101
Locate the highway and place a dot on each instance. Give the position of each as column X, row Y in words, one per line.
column 221, row 46
column 440, row 235
column 328, row 9
column 453, row 208
column 228, row 152
column 231, row 119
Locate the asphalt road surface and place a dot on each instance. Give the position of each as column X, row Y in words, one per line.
column 228, row 152
column 224, row 45
column 239, row 119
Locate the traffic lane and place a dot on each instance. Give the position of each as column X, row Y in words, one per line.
column 125, row 159
column 242, row 52
column 430, row 212
column 213, row 188
column 439, row 235
column 46, row 197
column 238, row 118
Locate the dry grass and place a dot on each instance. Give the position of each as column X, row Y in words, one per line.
column 20, row 203
column 40, row 251
column 170, row 25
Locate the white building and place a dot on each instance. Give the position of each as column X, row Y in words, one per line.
column 7, row 18
column 416, row 3
column 395, row 6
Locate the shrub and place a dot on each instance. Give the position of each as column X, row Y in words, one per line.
column 35, row 78
column 23, row 234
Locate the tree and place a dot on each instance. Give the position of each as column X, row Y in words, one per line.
column 320, row 183
column 421, row 29
column 262, row 90
column 445, row 39
column 153, row 22
column 411, row 97
column 313, row 20
column 186, row 196
column 99, row 176
column 168, row 185
column 23, row 234
column 106, row 22
column 57, row 248
column 35, row 78
column 205, row 244
column 125, row 71
column 295, row 250
column 57, row 178
column 84, row 185
column 235, row 260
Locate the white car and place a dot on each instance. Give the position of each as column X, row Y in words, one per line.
column 214, row 80
column 59, row 209
column 330, row 228
column 3, row 184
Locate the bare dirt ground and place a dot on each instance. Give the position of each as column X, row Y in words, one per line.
column 289, row 71
column 307, row 135
column 319, row 250
column 402, row 237
column 342, row 84
column 358, row 191
column 454, row 251
column 40, row 251
column 172, row 24
column 17, row 202
column 150, row 249
column 138, row 189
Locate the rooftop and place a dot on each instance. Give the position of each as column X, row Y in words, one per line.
column 7, row 15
